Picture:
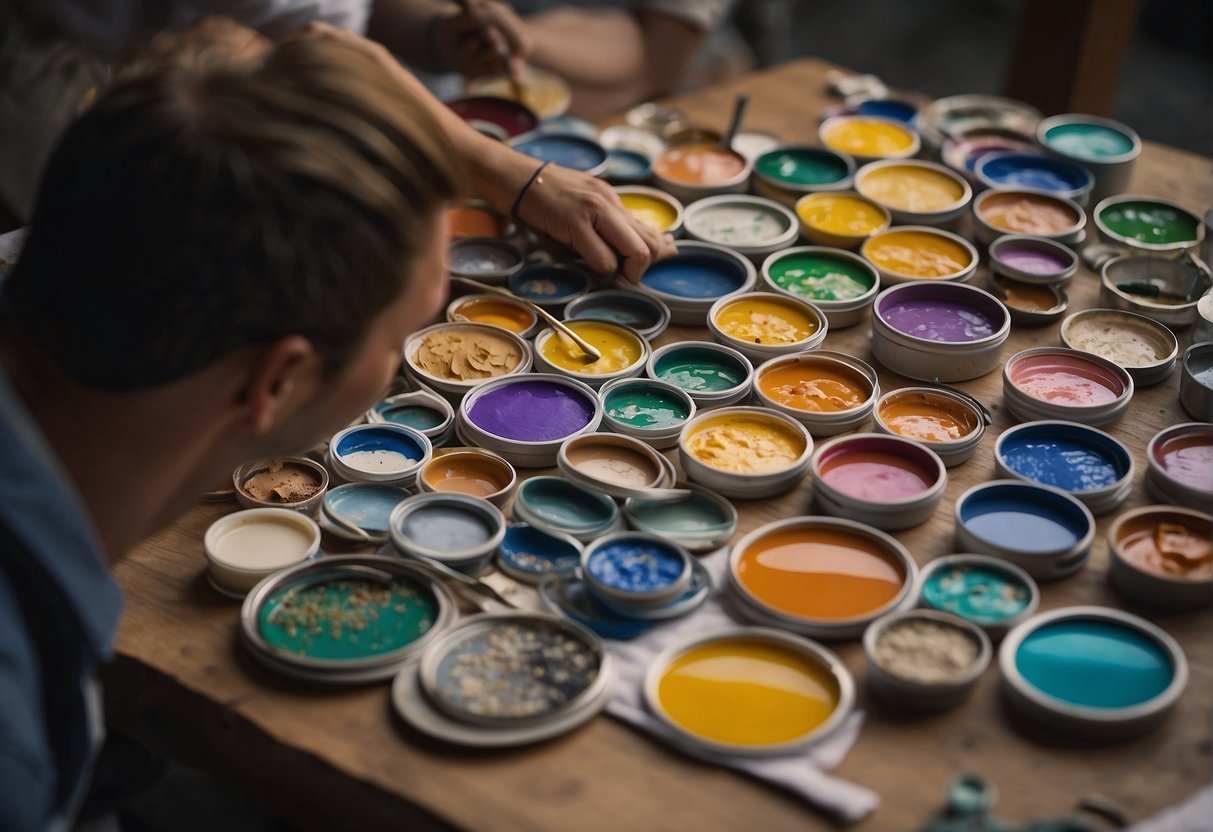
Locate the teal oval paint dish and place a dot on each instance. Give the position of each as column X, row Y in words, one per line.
column 365, row 505
column 801, row 168
column 695, row 275
column 531, row 555
column 1095, row 142
column 700, row 370
column 556, row 505
column 992, row 594
column 1071, row 457
column 646, row 406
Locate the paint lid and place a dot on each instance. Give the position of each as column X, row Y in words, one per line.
column 509, row 116
column 552, row 504
column 614, row 464
column 1030, row 259
column 1179, row 465
column 457, row 530
column 1046, row 531
column 1145, row 348
column 567, row 150
column 988, row 591
column 529, row 555
column 643, row 313
column 885, row 481
column 925, row 660
column 381, row 453
column 352, row 646
column 1095, row 672
column 1029, row 304
column 363, row 505
column 1036, row 172
column 1059, row 383
column 803, row 691
column 549, row 286
column 701, row 521
column 1083, row 461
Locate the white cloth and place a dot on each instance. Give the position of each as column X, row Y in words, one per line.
column 803, row 774
column 1193, row 815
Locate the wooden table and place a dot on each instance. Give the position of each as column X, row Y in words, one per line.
column 329, row 759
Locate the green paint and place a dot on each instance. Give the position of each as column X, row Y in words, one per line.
column 699, row 371
column 821, row 277
column 802, row 166
column 1088, row 141
column 977, row 593
column 343, row 620
column 413, row 416
column 646, row 407
column 1149, row 222
column 697, row 513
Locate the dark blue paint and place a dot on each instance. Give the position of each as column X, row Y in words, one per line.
column 564, row 149
column 698, row 276
column 897, row 110
column 1030, row 170
column 1070, row 458
column 549, row 284
column 382, row 438
column 635, row 564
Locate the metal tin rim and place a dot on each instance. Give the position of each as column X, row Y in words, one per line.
column 842, row 184
column 747, row 366
column 698, row 247
column 650, row 598
column 458, row 385
column 952, row 446
column 492, row 242
column 955, row 209
column 993, row 563
column 1097, row 495
column 1099, row 413
column 243, row 473
column 286, row 515
column 855, row 239
column 910, row 129
column 1079, row 225
column 595, row 378
column 431, row 400
column 632, row 430
column 654, row 303
column 996, row 338
column 1121, row 519
column 454, row 305
column 660, row 195
column 1097, row 216
column 729, row 525
column 554, row 300
column 1139, row 320
column 770, row 350
column 826, row 306
column 933, row 492
column 757, row 412
column 527, row 576
column 1031, row 241
column 1080, row 192
column 521, row 502
column 929, row 230
column 575, row 475
column 967, row 679
column 859, row 412
column 1128, row 132
column 587, row 392
column 1082, row 544
column 1154, row 468
column 426, row 486
column 479, row 505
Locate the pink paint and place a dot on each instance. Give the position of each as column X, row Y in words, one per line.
column 1188, row 458
column 862, row 469
column 1031, row 260
column 1067, row 380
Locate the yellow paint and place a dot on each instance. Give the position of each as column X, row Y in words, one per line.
column 653, row 212
column 747, row 691
column 620, row 349
column 841, row 215
column 761, row 321
column 501, row 312
column 919, row 254
column 912, row 188
column 869, row 137
column 745, row 444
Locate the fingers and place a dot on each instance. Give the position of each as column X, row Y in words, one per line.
column 634, row 252
column 597, row 254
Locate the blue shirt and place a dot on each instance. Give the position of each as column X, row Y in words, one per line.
column 59, row 611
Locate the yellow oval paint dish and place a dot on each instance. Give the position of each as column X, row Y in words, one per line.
column 919, row 254
column 843, row 220
column 913, row 188
column 620, row 348
column 653, row 211
column 750, row 691
column 765, row 321
column 745, row 443
column 867, row 137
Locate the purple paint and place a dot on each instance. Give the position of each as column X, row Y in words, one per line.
column 531, row 411
column 938, row 320
column 1032, row 260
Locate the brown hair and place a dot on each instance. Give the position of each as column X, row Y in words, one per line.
column 202, row 206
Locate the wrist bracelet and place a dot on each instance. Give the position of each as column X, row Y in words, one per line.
column 522, row 194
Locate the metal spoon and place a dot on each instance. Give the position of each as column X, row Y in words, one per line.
column 582, row 344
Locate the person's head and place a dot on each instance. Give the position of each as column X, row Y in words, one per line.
column 283, row 215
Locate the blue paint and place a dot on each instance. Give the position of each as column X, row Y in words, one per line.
column 636, row 565
column 406, row 441
column 528, row 549
column 695, row 275
column 1024, row 517
column 565, row 149
column 367, row 505
column 549, row 284
column 626, row 308
column 886, row 108
column 627, row 166
column 1031, row 170
column 447, row 527
column 1070, row 458
column 1094, row 663
column 565, row 506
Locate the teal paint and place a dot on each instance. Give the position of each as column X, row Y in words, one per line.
column 978, row 593
column 646, row 407
column 700, row 370
column 1094, row 142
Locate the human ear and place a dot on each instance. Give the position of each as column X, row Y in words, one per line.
column 282, row 376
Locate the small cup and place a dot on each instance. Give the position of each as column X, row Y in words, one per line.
column 763, row 325
column 1030, row 304
column 923, row 694
column 420, row 410
column 553, row 504
column 1147, row 224
column 787, row 173
column 568, row 150
column 247, row 546
column 455, row 388
column 695, row 278
column 310, row 468
column 646, row 314
column 462, row 532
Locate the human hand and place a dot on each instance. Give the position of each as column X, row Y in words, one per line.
column 486, row 38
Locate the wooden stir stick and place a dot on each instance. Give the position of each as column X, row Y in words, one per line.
column 585, row 346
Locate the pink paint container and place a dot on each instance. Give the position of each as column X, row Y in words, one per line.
column 1058, row 383
column 884, row 481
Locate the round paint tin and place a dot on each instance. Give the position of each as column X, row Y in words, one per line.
column 1179, row 465
column 526, row 418
column 1162, row 557
column 247, row 546
column 624, row 352
column 1058, row 383
column 553, row 504
column 568, row 150
column 749, row 225
column 635, row 570
column 785, row 173
column 762, row 325
column 652, row 411
column 1044, row 530
column 745, row 452
column 619, row 466
column 916, row 192
column 454, row 529
column 840, row 220
column 477, row 218
column 390, row 454
column 293, row 482
column 1083, row 461
column 961, row 154
column 712, row 374
column 918, row 252
column 939, row 331
column 1032, row 171
column 693, row 170
column 420, row 410
column 925, row 660
column 1147, row 223
column 625, row 167
column 696, row 277
column 472, row 471
column 1145, row 348
column 990, row 592
column 1030, row 304
column 949, row 422
column 885, row 481
column 958, row 115
column 546, row 92
column 1166, row 291
column 702, row 521
column 828, row 392
column 869, row 138
column 1105, row 147
column 749, row 691
column 374, row 614
column 643, row 313
column 823, row 577
column 529, row 555
column 1202, row 329
column 509, row 117
column 1028, row 213
column 483, row 259
column 1196, row 383
column 360, row 505
column 656, row 209
column 454, row 358
column 494, row 310
column 1035, row 260
column 840, row 284
column 551, row 287
column 1092, row 672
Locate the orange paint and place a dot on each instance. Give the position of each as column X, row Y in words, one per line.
column 1173, row 545
column 815, row 386
column 465, row 474
column 820, row 573
column 699, row 164
column 927, row 418
column 504, row 313
column 1027, row 297
column 473, row 222
column 1027, row 213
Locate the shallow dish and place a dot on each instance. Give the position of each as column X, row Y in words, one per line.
column 1031, row 259
column 882, row 480
column 389, row 454
column 840, row 220
column 745, row 452
column 1146, row 349
column 713, row 375
column 1179, row 465
column 702, row 521
column 1030, row 304
column 916, row 192
column 951, row 423
column 869, row 138
column 919, row 632
column 363, row 505
column 1033, row 171
column 841, row 284
column 484, row 259
column 646, row 409
column 762, row 325
column 1162, row 556
column 918, row 252
column 749, row 225
column 988, row 591
column 420, row 410
column 550, row 286
column 1165, row 291
column 828, row 392
column 454, row 358
column 1147, row 224
column 643, row 313
column 293, row 482
column 1059, row 383
column 635, row 571
column 1080, row 460
column 1030, row 213
column 457, row 530
column 655, row 208
column 531, row 556
column 696, row 277
column 552, row 504
column 472, row 471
